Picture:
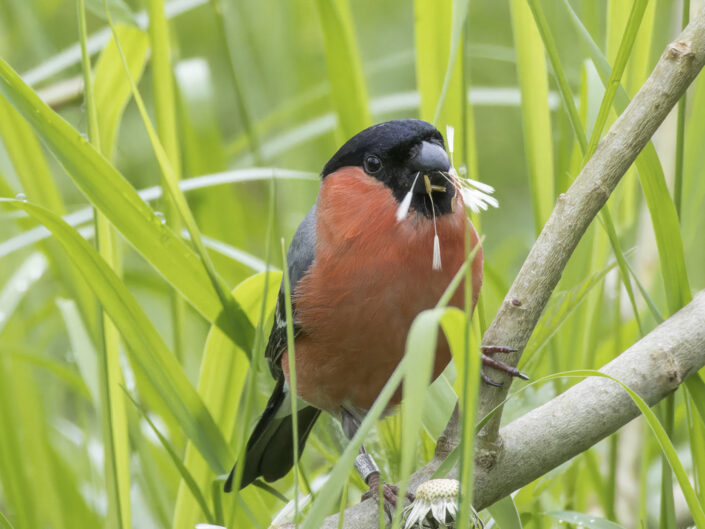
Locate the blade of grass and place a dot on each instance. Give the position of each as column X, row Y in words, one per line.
column 148, row 348
column 221, row 382
column 4, row 522
column 438, row 72
column 460, row 13
column 230, row 306
column 83, row 215
column 109, row 192
column 536, row 117
column 680, row 132
column 345, row 75
column 34, row 173
column 613, row 82
column 661, row 209
column 259, row 347
column 505, row 514
column 696, row 433
column 63, row 372
column 113, row 418
column 111, row 89
column 167, row 132
column 250, row 131
column 470, row 388
column 15, row 479
column 291, row 355
column 176, row 460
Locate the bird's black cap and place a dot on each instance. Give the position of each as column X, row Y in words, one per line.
column 395, row 152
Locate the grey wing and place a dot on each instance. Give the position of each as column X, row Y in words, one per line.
column 299, row 258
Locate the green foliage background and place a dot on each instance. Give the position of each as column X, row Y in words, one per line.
column 126, row 381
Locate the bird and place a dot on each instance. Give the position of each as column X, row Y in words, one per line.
column 383, row 240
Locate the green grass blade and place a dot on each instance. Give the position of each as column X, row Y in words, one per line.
column 176, row 460
column 559, row 309
column 696, row 433
column 15, row 477
column 60, row 370
column 110, row 193
column 345, row 75
column 167, row 129
column 460, row 12
column 170, row 178
column 221, row 382
column 111, row 89
column 225, row 42
column 4, row 522
column 696, row 388
column 291, row 356
column 536, row 117
column 150, row 352
column 421, row 345
column 579, row 133
column 438, row 72
column 661, row 209
column 505, row 514
column 625, row 47
column 38, row 184
column 113, row 416
column 680, row 132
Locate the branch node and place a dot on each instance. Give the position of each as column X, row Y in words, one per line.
column 678, row 50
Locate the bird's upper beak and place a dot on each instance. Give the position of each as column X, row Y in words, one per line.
column 429, row 160
column 431, row 157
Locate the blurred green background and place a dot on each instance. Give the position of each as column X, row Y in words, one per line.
column 281, row 84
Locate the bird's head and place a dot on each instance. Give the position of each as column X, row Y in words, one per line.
column 409, row 157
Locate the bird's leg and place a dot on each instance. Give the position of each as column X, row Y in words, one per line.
column 369, row 471
column 488, row 360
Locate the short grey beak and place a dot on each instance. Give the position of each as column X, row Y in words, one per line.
column 431, row 157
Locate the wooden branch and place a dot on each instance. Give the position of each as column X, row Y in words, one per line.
column 654, row 366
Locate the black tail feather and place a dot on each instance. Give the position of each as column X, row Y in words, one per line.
column 270, row 450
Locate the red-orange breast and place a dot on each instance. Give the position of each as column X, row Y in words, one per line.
column 371, row 277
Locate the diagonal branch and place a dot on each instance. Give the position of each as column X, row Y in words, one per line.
column 559, row 429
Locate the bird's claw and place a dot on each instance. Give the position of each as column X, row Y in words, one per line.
column 390, row 493
column 488, row 360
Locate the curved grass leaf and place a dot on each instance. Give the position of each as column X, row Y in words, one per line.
column 111, row 90
column 344, row 66
column 221, row 382
column 505, row 514
column 176, row 459
column 536, row 117
column 664, row 217
column 170, row 180
column 4, row 522
column 113, row 196
column 150, row 352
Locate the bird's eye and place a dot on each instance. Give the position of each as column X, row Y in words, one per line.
column 372, row 164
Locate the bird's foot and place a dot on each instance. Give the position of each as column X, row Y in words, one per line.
column 488, row 360
column 389, row 493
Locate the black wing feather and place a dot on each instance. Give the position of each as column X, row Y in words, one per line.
column 300, row 256
column 269, row 450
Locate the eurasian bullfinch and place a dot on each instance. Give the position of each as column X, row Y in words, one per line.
column 364, row 262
